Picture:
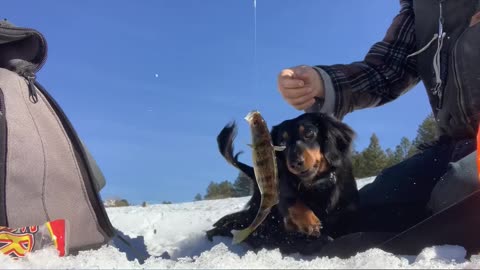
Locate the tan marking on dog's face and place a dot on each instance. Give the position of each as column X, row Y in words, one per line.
column 310, row 157
column 285, row 136
column 314, row 157
column 323, row 165
column 301, row 129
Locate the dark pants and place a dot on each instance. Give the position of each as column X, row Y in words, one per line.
column 398, row 197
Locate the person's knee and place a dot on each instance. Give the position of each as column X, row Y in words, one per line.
column 459, row 181
column 463, row 171
column 407, row 182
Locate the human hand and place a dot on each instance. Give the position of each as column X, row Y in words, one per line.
column 300, row 85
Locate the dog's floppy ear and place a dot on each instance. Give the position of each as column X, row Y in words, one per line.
column 275, row 141
column 337, row 141
column 274, row 135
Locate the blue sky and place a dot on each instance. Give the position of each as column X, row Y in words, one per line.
column 154, row 137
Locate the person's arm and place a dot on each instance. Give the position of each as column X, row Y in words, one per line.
column 384, row 74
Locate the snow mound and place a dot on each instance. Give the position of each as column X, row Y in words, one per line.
column 179, row 230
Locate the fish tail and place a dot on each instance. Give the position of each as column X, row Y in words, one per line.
column 240, row 235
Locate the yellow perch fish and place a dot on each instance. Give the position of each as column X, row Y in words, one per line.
column 265, row 167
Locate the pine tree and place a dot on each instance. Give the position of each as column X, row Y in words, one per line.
column 198, row 197
column 243, row 185
column 226, row 189
column 426, row 132
column 121, row 203
column 358, row 165
column 212, row 191
column 401, row 152
column 219, row 191
column 373, row 158
column 402, row 149
column 390, row 155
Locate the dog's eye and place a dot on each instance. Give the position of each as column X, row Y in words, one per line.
column 309, row 134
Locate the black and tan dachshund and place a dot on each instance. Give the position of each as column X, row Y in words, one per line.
column 317, row 187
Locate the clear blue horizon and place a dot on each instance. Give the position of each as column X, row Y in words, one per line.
column 149, row 84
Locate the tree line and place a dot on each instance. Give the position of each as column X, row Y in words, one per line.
column 368, row 162
column 374, row 159
column 241, row 187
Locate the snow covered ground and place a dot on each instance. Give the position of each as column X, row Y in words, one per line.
column 179, row 230
column 362, row 182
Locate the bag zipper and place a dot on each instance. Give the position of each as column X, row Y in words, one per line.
column 457, row 80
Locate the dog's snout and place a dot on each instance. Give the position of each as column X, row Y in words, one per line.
column 296, row 159
column 299, row 163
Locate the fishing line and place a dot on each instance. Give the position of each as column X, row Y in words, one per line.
column 255, row 83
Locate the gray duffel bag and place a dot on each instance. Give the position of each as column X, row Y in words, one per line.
column 46, row 172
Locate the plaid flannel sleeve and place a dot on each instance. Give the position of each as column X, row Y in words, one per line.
column 384, row 74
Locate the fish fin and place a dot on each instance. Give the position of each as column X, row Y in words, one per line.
column 250, row 145
column 240, row 235
column 279, row 148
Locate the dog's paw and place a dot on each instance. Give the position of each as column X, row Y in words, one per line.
column 301, row 219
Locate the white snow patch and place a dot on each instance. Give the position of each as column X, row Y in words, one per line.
column 364, row 181
column 179, row 229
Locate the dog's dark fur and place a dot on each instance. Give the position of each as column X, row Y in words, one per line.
column 317, row 187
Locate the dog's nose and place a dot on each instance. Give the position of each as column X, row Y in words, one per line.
column 299, row 163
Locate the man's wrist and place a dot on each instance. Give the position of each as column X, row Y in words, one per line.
column 325, row 101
